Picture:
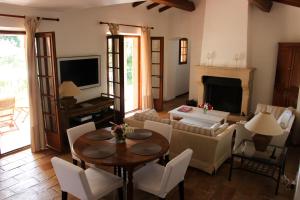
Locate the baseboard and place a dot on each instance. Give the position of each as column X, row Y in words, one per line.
column 180, row 95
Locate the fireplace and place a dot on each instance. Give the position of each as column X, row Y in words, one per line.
column 223, row 94
column 241, row 76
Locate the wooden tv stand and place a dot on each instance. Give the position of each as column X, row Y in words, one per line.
column 98, row 110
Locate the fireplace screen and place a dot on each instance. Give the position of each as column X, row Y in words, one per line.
column 224, row 94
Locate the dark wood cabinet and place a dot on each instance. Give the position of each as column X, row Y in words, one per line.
column 287, row 79
column 99, row 110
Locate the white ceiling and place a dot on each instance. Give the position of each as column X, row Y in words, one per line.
column 64, row 4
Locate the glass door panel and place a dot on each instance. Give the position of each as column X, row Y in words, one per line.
column 115, row 69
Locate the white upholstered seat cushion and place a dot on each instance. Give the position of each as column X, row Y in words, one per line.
column 160, row 180
column 148, row 178
column 88, row 184
column 101, row 182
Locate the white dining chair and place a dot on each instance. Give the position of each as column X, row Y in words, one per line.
column 163, row 129
column 87, row 184
column 159, row 180
column 76, row 132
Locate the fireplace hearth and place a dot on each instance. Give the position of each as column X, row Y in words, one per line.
column 224, row 94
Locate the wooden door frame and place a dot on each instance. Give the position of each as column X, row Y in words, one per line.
column 120, row 116
column 59, row 136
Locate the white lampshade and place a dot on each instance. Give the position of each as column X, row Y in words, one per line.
column 68, row 89
column 265, row 124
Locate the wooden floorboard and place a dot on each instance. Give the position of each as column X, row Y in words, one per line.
column 25, row 175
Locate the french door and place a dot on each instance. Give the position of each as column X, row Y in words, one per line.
column 115, row 73
column 47, row 77
column 157, row 62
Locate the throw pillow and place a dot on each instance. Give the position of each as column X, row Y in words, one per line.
column 284, row 118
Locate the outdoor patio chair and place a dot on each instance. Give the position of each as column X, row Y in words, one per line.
column 7, row 109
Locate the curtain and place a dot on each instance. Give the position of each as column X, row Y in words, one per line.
column 147, row 101
column 35, row 109
column 113, row 28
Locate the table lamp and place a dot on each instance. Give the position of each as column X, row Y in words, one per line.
column 264, row 126
column 67, row 90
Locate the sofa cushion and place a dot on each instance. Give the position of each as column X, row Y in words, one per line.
column 220, row 129
column 150, row 115
column 284, row 118
column 275, row 110
column 190, row 128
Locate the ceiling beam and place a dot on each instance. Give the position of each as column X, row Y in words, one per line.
column 135, row 4
column 162, row 9
column 152, row 5
column 290, row 2
column 264, row 5
column 181, row 4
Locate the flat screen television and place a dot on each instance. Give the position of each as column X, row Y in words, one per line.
column 84, row 71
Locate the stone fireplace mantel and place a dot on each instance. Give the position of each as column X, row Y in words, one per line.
column 244, row 74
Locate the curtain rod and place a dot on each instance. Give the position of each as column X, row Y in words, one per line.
column 125, row 25
column 23, row 16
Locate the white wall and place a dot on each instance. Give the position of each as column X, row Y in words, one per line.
column 78, row 32
column 265, row 31
column 225, row 33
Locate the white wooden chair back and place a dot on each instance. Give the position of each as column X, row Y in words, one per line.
column 71, row 178
column 77, row 131
column 175, row 171
column 161, row 128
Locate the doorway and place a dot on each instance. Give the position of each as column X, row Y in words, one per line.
column 14, row 100
column 131, row 72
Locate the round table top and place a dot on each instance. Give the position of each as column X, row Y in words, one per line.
column 123, row 156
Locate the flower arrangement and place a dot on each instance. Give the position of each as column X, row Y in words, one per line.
column 120, row 132
column 206, row 107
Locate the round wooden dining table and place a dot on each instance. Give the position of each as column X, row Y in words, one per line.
column 123, row 157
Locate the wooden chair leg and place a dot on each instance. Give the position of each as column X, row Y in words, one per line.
column 167, row 159
column 82, row 164
column 115, row 170
column 120, row 193
column 75, row 162
column 64, row 195
column 181, row 190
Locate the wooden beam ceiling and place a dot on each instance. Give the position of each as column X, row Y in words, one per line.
column 135, row 4
column 162, row 9
column 152, row 5
column 181, row 4
column 264, row 5
column 290, row 2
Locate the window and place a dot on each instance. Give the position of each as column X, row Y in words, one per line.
column 183, row 50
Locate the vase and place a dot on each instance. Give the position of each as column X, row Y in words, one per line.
column 120, row 136
column 120, row 140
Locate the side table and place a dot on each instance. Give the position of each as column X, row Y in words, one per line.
column 262, row 163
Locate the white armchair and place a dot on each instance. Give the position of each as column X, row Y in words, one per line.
column 160, row 180
column 90, row 184
column 242, row 133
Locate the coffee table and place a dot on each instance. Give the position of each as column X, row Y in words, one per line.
column 197, row 114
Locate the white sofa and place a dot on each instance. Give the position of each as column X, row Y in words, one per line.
column 209, row 151
column 242, row 133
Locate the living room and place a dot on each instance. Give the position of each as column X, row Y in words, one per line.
column 235, row 39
